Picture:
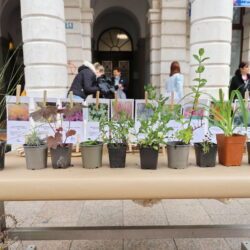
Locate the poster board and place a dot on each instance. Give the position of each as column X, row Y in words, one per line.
column 18, row 120
column 93, row 117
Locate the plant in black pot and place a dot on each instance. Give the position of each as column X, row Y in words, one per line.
column 205, row 152
column 36, row 151
column 91, row 153
column 59, row 148
column 152, row 132
column 115, row 132
column 178, row 151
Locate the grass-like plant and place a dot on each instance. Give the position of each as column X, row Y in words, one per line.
column 33, row 139
column 225, row 113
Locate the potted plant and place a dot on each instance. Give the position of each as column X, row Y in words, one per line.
column 205, row 152
column 115, row 132
column 178, row 150
column 59, row 148
column 91, row 153
column 230, row 144
column 36, row 151
column 152, row 132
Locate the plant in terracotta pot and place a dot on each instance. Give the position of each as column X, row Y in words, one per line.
column 205, row 152
column 91, row 153
column 115, row 132
column 152, row 132
column 230, row 144
column 36, row 151
column 178, row 151
column 59, row 148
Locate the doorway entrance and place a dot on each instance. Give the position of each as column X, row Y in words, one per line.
column 115, row 49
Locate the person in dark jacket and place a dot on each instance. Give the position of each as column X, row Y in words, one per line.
column 118, row 80
column 84, row 83
column 105, row 85
column 241, row 79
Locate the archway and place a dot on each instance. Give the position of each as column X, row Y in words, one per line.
column 131, row 59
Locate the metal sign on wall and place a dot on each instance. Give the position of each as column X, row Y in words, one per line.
column 241, row 3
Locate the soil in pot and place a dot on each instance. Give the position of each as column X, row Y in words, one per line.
column 148, row 157
column 230, row 149
column 177, row 153
column 61, row 156
column 117, row 155
column 2, row 154
column 207, row 159
column 92, row 155
column 36, row 156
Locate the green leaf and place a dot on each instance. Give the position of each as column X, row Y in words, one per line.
column 202, row 84
column 204, row 59
column 201, row 51
column 197, row 79
column 196, row 58
column 200, row 69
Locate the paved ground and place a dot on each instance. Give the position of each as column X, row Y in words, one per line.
column 106, row 213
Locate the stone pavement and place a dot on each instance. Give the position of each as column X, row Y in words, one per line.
column 107, row 213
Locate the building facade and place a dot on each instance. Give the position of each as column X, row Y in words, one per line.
column 142, row 37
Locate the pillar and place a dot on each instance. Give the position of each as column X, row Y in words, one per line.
column 211, row 29
column 44, row 47
column 173, row 38
column 154, row 19
column 246, row 36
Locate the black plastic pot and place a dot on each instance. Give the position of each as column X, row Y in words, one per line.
column 117, row 155
column 205, row 159
column 2, row 154
column 248, row 151
column 61, row 156
column 149, row 157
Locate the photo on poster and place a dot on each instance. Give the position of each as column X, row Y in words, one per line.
column 238, row 119
column 76, row 116
column 142, row 112
column 123, row 105
column 18, row 112
column 96, row 115
column 199, row 113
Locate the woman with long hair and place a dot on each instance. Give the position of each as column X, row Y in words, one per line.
column 175, row 81
column 241, row 79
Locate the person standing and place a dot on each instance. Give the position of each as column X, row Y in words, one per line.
column 241, row 79
column 119, row 83
column 175, row 81
column 84, row 83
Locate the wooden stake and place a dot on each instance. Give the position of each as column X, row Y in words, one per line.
column 97, row 100
column 44, row 98
column 77, row 143
column 129, row 144
column 163, row 150
column 172, row 100
column 116, row 99
column 246, row 98
column 18, row 93
column 146, row 97
column 71, row 99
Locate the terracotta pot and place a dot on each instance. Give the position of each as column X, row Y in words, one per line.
column 230, row 149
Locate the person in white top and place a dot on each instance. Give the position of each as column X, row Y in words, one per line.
column 175, row 81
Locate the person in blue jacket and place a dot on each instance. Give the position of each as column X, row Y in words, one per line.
column 175, row 81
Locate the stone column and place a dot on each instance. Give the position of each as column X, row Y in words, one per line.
column 87, row 20
column 73, row 37
column 246, row 36
column 44, row 48
column 173, row 38
column 154, row 19
column 211, row 29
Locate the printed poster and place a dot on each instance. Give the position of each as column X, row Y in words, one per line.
column 94, row 115
column 18, row 120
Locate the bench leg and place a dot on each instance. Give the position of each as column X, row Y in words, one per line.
column 2, row 221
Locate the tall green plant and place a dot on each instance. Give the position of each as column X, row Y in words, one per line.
column 8, row 87
column 225, row 114
column 186, row 133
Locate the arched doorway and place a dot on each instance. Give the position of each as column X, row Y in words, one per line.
column 120, row 21
column 115, row 49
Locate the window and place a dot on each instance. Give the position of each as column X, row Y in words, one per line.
column 114, row 40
